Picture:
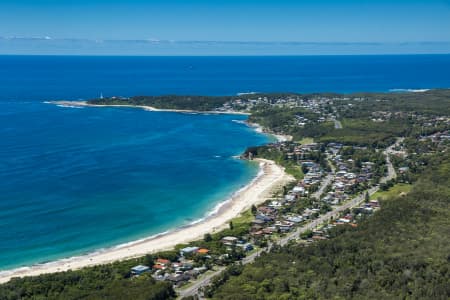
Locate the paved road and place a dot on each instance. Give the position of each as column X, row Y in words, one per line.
column 391, row 171
column 204, row 281
column 193, row 290
column 337, row 124
column 325, row 182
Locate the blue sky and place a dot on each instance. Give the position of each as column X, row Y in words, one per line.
column 246, row 20
column 306, row 21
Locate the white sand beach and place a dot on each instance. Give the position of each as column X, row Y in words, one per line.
column 145, row 107
column 271, row 177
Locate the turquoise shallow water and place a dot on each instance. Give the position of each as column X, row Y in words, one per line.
column 74, row 180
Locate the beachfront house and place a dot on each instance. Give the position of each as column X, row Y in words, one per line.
column 188, row 250
column 161, row 264
column 138, row 270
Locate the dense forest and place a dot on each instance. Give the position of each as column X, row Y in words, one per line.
column 432, row 102
column 402, row 252
column 200, row 103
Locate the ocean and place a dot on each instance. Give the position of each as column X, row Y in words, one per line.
column 74, row 180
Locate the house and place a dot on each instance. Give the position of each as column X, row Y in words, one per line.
column 289, row 198
column 294, row 219
column 177, row 265
column 188, row 250
column 350, row 176
column 341, row 173
column 178, row 279
column 368, row 209
column 229, row 240
column 246, row 246
column 308, row 164
column 161, row 264
column 202, row 269
column 284, row 226
column 159, row 267
column 162, row 261
column 275, row 204
column 193, row 273
column 187, row 266
column 403, row 170
column 343, row 221
column 374, row 203
column 263, row 218
column 267, row 210
column 202, row 251
column 298, row 190
column 257, row 233
column 256, row 228
column 258, row 221
column 138, row 270
column 268, row 230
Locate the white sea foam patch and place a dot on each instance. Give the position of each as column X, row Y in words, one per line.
column 247, row 93
column 68, row 106
column 65, row 105
column 409, row 90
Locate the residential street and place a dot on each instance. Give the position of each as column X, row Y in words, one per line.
column 193, row 290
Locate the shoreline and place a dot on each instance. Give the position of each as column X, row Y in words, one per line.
column 279, row 137
column 66, row 103
column 270, row 177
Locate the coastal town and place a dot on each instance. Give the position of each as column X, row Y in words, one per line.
column 302, row 212
column 340, row 164
column 336, row 185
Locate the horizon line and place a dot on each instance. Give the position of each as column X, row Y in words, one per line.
column 169, row 41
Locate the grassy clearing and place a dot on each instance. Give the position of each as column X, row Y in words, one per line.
column 306, row 140
column 244, row 218
column 393, row 191
column 295, row 171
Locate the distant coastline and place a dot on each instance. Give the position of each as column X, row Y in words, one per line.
column 144, row 107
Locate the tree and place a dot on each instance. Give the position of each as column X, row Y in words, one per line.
column 207, row 238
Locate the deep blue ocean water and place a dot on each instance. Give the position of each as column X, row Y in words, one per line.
column 73, row 180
